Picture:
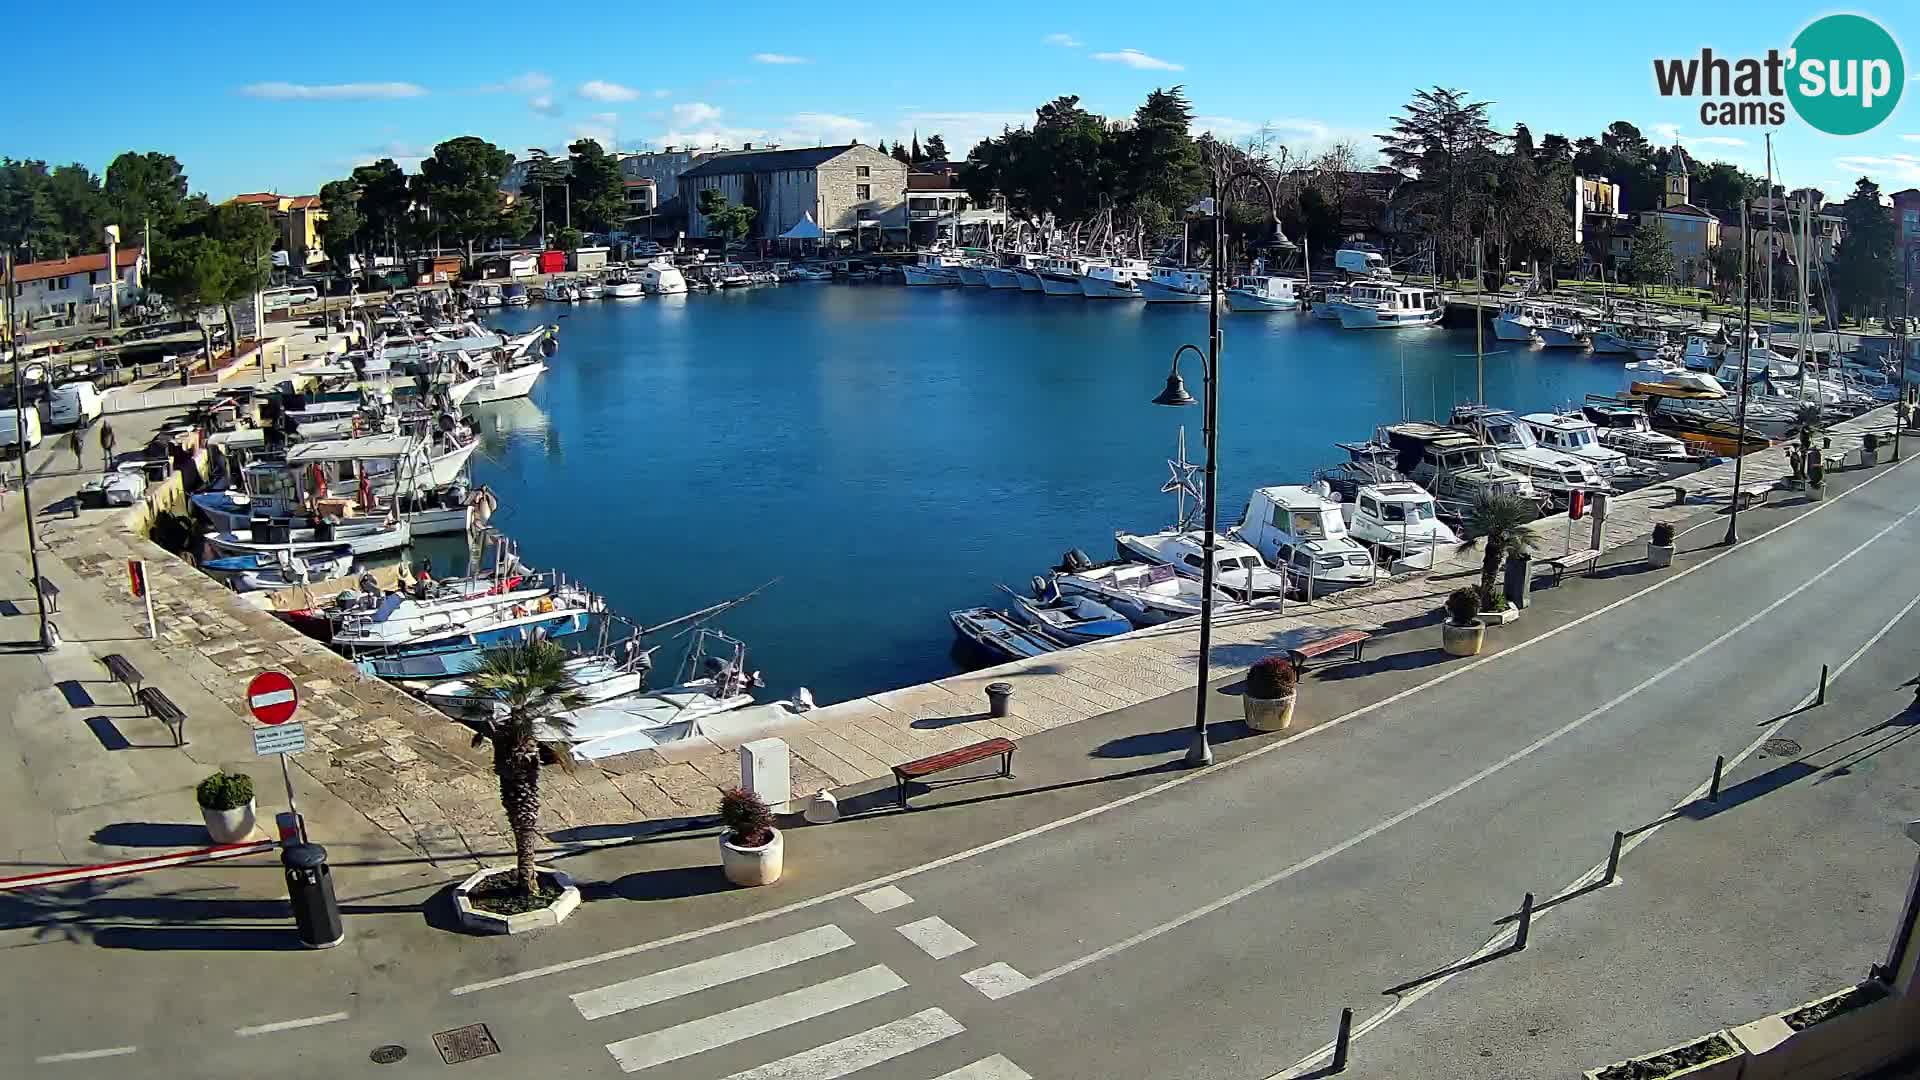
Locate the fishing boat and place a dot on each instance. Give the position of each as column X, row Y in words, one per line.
column 1576, row 436
column 1146, row 595
column 1263, row 292
column 1068, row 618
column 1389, row 307
column 259, row 570
column 1623, row 426
column 514, row 296
column 1519, row 320
column 360, row 537
column 1555, row 474
column 402, row 623
column 1621, row 338
column 972, row 274
column 1300, row 531
column 1113, row 279
column 1176, row 285
column 1060, row 275
column 1399, row 520
column 1026, row 271
column 1237, row 567
column 999, row 635
column 1000, row 275
column 1455, row 466
column 593, row 679
column 1564, row 330
column 933, row 269
column 1321, row 300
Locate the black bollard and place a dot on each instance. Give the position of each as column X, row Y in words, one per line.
column 1613, row 859
column 1341, row 1041
column 316, row 914
column 1526, row 922
column 1713, row 790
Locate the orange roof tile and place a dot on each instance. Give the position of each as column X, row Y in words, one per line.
column 79, row 264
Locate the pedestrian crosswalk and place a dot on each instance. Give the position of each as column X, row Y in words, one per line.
column 840, row 1005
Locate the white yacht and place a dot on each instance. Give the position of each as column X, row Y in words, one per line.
column 1300, row 531
column 1060, row 275
column 661, row 277
column 1389, row 307
column 1518, row 320
column 590, row 289
column 1263, row 292
column 1576, row 436
column 1113, row 279
column 1237, row 567
column 1176, row 285
column 1555, row 474
column 1401, row 521
column 624, row 286
column 1626, row 428
column 491, row 378
column 933, row 268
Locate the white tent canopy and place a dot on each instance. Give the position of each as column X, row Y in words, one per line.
column 804, row 229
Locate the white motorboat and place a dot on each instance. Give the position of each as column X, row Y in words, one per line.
column 1563, row 330
column 1237, row 567
column 1457, row 467
column 1060, row 275
column 361, row 537
column 1147, row 595
column 1555, row 474
column 404, row 623
column 1389, row 307
column 933, row 268
column 590, row 289
column 1703, row 352
column 1300, row 530
column 1113, row 279
column 621, row 286
column 1519, row 320
column 1068, row 618
column 515, row 295
column 594, row 679
column 1401, row 521
column 485, row 296
column 1176, row 285
column 1321, row 300
column 1576, row 436
column 260, row 570
column 1624, row 427
column 1263, row 292
column 1621, row 339
column 661, row 277
column 479, row 382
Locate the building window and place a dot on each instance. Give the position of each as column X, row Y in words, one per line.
column 863, row 191
column 863, row 171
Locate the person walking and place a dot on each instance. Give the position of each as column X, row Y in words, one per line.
column 76, row 444
column 106, row 442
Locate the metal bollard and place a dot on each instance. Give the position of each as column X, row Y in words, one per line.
column 1822, row 698
column 1526, row 922
column 999, row 697
column 1341, row 1041
column 1613, row 859
column 1719, row 764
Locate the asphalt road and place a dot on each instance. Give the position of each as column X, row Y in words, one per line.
column 1204, row 925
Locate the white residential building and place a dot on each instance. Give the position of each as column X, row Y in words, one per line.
column 75, row 288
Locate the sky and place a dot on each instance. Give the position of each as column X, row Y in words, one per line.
column 254, row 98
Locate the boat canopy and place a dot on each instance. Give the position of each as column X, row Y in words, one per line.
column 371, row 446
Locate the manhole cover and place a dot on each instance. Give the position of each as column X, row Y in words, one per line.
column 387, row 1055
column 465, row 1043
column 1780, row 748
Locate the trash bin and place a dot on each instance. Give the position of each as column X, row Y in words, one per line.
column 999, row 699
column 316, row 914
column 1519, row 584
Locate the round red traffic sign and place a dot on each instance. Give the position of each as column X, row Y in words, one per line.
column 272, row 697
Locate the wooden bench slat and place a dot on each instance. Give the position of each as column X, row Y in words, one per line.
column 162, row 708
column 953, row 759
column 1321, row 646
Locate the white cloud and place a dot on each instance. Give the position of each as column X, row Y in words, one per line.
column 364, row 91
column 1718, row 140
column 717, row 135
column 694, row 113
column 1900, row 168
column 531, row 82
column 544, row 105
column 1912, row 138
column 1134, row 58
column 600, row 127
column 1065, row 41
column 961, row 129
column 779, row 58
column 406, row 155
column 601, row 90
column 663, row 93
column 827, row 122
column 1667, row 132
column 1226, row 127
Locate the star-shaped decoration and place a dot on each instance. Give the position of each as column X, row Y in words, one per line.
column 1181, row 480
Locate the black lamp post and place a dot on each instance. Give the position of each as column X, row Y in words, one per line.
column 1200, row 751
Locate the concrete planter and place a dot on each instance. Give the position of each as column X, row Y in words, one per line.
column 1843, row 1045
column 1727, row 1067
column 1816, row 492
column 230, row 826
column 1870, row 458
column 1659, row 556
column 1500, row 618
column 1269, row 714
column 752, row 866
column 489, row 922
column 1462, row 640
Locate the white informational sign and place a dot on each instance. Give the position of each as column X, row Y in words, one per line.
column 247, row 318
column 283, row 739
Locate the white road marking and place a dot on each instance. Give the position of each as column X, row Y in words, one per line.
column 1091, row 812
column 709, row 973
column 1434, row 800
column 989, row 1068
column 997, row 980
column 884, row 899
column 1594, row 873
column 289, row 1025
column 85, row 1055
column 856, row 1052
column 936, row 937
column 733, row 1025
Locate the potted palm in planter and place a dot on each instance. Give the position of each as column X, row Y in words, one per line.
column 1816, row 477
column 1463, row 633
column 1870, row 449
column 531, row 687
column 1807, row 420
column 1660, row 548
column 751, row 850
column 226, row 805
column 1271, row 688
column 1497, row 521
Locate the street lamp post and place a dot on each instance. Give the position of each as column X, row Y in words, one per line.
column 1900, row 346
column 47, row 639
column 1200, row 751
column 1746, row 351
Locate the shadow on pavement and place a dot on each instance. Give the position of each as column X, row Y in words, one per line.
column 1171, row 741
column 76, row 694
column 633, row 831
column 1406, row 661
column 672, row 883
column 151, row 834
column 199, row 938
column 1451, row 969
column 1749, row 789
column 932, row 723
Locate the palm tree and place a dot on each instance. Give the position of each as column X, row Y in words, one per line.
column 1498, row 519
column 531, row 684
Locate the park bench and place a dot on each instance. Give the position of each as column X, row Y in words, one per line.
column 50, row 594
column 161, row 707
column 1331, row 643
column 1560, row 564
column 953, row 759
column 1751, row 495
column 121, row 670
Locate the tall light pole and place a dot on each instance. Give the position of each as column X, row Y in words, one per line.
column 1746, row 351
column 1900, row 344
column 26, row 477
column 1200, row 751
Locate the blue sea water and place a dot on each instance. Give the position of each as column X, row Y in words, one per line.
column 889, row 454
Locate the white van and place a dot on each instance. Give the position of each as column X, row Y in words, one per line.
column 26, row 430
column 285, row 299
column 74, row 404
column 1361, row 260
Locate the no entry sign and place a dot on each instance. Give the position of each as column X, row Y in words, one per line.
column 272, row 698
